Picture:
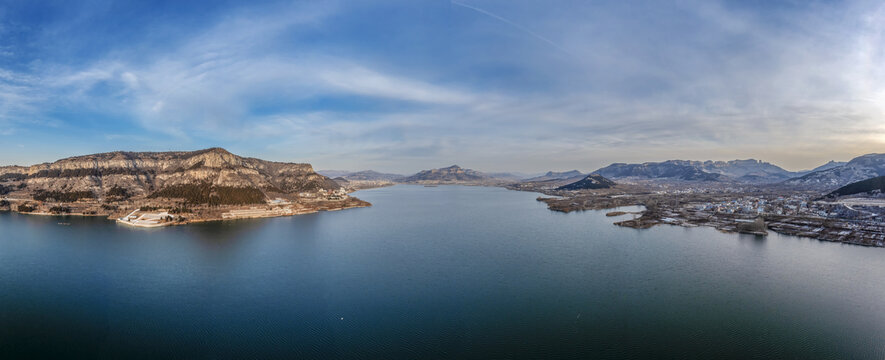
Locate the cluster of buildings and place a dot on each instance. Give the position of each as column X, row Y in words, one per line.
column 793, row 205
column 787, row 214
column 279, row 202
column 148, row 219
column 338, row 194
column 256, row 212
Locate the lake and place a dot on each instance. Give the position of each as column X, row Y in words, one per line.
column 441, row 272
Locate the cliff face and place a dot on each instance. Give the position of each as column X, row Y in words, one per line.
column 141, row 173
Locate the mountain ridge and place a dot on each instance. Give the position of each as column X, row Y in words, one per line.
column 857, row 169
column 876, row 184
column 743, row 171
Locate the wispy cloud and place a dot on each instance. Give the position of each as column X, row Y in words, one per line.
column 796, row 85
column 511, row 23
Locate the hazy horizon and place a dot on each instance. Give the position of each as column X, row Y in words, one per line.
column 441, row 164
column 399, row 86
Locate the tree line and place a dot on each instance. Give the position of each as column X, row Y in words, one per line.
column 70, row 196
column 206, row 193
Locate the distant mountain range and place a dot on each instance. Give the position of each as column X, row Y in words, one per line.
column 365, row 175
column 831, row 175
column 743, row 171
column 512, row 176
column 334, row 173
column 553, row 175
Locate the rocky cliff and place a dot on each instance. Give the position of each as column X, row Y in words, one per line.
column 143, row 173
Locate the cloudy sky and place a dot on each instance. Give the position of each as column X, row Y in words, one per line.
column 401, row 86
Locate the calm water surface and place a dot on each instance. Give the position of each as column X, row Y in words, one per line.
column 445, row 272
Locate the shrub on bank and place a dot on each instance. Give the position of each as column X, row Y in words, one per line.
column 13, row 177
column 206, row 193
column 118, row 192
column 70, row 196
column 60, row 210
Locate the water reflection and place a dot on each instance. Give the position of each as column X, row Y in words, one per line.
column 757, row 240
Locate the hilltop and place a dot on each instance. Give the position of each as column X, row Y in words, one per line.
column 829, row 165
column 590, row 182
column 858, row 169
column 450, row 175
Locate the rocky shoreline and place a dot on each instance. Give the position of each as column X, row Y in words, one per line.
column 199, row 214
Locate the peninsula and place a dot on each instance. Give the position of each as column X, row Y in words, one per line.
column 151, row 189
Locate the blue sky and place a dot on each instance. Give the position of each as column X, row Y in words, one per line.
column 495, row 85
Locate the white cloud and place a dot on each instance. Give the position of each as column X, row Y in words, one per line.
column 130, row 79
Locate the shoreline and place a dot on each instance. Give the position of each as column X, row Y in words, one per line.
column 852, row 232
column 206, row 220
column 666, row 212
column 156, row 219
column 190, row 221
